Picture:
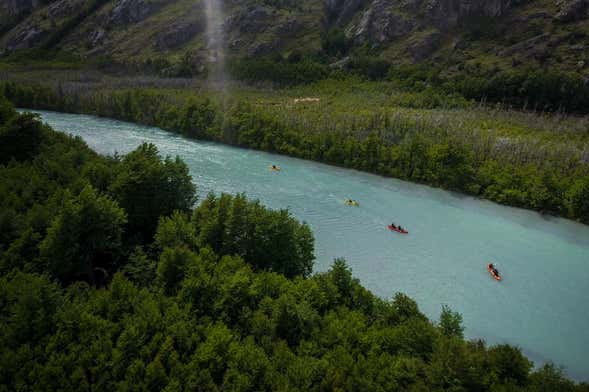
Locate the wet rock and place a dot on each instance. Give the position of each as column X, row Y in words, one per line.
column 570, row 10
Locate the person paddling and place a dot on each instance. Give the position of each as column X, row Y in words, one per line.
column 495, row 270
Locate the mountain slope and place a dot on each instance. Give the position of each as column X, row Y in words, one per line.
column 460, row 33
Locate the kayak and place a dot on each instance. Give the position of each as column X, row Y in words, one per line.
column 275, row 168
column 492, row 272
column 397, row 230
column 352, row 203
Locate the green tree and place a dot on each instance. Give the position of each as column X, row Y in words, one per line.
column 175, row 231
column 85, row 235
column 147, row 188
column 267, row 239
column 172, row 267
column 451, row 322
column 21, row 137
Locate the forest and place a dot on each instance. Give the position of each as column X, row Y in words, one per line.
column 511, row 158
column 112, row 277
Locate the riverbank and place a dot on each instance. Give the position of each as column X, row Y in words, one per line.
column 443, row 259
column 528, row 160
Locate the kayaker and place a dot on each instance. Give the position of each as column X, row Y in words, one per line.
column 400, row 228
column 393, row 226
column 274, row 167
column 493, row 269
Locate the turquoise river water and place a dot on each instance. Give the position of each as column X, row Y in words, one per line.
column 542, row 305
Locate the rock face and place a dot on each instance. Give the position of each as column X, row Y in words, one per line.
column 13, row 10
column 396, row 29
column 131, row 11
column 25, row 38
column 425, row 46
column 61, row 8
column 384, row 20
column 380, row 23
column 177, row 35
column 389, row 20
column 17, row 7
column 340, row 12
column 570, row 10
column 254, row 19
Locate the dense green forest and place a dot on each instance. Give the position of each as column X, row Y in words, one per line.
column 546, row 171
column 111, row 279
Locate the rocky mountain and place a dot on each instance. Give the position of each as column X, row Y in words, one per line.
column 501, row 33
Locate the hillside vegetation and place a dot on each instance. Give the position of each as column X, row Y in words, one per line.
column 529, row 53
column 102, row 288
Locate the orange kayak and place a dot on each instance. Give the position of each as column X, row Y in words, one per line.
column 493, row 272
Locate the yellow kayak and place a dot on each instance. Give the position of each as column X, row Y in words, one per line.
column 352, row 203
column 275, row 168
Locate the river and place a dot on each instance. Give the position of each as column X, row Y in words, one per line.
column 542, row 304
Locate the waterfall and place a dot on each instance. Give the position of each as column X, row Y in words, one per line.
column 215, row 43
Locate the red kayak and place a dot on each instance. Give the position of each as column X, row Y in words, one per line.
column 397, row 230
column 493, row 272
